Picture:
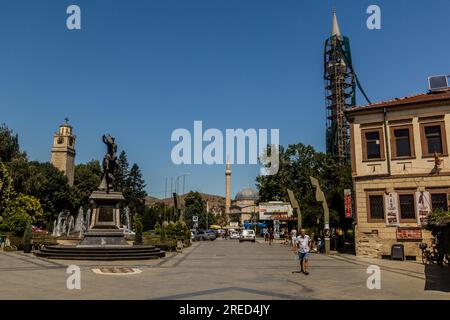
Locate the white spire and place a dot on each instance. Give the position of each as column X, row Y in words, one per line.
column 335, row 31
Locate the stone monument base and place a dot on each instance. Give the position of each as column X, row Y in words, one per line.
column 103, row 237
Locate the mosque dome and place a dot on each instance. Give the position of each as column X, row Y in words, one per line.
column 247, row 194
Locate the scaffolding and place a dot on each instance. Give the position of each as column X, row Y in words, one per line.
column 340, row 85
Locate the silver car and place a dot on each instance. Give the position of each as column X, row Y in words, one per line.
column 247, row 235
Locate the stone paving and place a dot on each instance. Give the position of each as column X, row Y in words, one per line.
column 223, row 269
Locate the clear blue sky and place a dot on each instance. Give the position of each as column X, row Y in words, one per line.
column 140, row 69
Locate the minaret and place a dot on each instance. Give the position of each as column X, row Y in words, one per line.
column 340, row 87
column 228, row 187
column 63, row 151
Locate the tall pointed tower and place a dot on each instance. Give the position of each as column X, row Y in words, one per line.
column 63, row 150
column 228, row 187
column 340, row 88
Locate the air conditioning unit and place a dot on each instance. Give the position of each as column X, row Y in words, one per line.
column 436, row 83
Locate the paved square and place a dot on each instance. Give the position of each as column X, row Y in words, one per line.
column 223, row 269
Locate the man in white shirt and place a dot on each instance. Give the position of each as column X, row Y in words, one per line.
column 303, row 242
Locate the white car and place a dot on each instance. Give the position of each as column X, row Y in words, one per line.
column 234, row 235
column 247, row 235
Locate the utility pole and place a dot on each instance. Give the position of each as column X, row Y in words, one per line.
column 320, row 197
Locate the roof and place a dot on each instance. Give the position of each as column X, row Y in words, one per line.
column 421, row 98
column 247, row 194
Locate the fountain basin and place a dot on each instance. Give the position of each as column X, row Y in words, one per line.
column 105, row 253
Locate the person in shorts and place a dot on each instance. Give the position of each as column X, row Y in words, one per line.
column 303, row 242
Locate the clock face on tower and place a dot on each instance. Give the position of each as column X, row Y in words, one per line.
column 60, row 140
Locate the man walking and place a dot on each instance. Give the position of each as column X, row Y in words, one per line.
column 303, row 243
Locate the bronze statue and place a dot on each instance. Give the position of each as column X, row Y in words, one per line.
column 110, row 164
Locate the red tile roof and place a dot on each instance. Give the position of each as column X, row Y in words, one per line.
column 415, row 99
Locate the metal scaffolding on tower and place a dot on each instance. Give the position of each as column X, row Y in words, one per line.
column 340, row 92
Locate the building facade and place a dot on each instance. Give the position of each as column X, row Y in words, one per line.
column 400, row 169
column 63, row 151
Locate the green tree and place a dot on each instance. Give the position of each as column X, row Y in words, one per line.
column 9, row 144
column 20, row 211
column 296, row 164
column 138, row 228
column 86, row 180
column 49, row 185
column 7, row 192
column 193, row 206
column 122, row 172
column 134, row 192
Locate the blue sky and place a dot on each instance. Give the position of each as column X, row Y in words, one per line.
column 141, row 69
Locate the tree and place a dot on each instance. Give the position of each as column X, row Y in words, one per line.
column 9, row 144
column 21, row 211
column 193, row 206
column 86, row 180
column 138, row 229
column 122, row 172
column 7, row 192
column 296, row 164
column 49, row 185
column 134, row 192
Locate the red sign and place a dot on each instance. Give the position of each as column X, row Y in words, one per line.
column 348, row 203
column 409, row 233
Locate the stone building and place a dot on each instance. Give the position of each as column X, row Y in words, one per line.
column 63, row 151
column 401, row 170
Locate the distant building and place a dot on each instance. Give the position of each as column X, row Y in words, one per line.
column 63, row 151
column 245, row 205
column 401, row 170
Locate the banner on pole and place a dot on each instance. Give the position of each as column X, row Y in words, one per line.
column 348, row 203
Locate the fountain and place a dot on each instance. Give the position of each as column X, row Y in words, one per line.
column 78, row 220
column 103, row 239
column 127, row 218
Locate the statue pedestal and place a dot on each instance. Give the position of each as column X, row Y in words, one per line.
column 104, row 227
column 105, row 210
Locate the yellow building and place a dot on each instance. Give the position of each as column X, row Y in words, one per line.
column 401, row 170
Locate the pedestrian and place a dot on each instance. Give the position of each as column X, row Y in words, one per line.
column 270, row 236
column 286, row 236
column 293, row 237
column 303, row 242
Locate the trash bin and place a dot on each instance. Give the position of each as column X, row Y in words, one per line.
column 398, row 252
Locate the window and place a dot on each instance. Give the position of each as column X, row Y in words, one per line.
column 433, row 139
column 407, row 210
column 376, row 207
column 402, row 142
column 439, row 201
column 373, row 147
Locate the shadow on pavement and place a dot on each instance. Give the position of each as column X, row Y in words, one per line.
column 437, row 278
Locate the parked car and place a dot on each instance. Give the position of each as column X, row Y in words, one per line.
column 247, row 235
column 198, row 235
column 209, row 235
column 234, row 235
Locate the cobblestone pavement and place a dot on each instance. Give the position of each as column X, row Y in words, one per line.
column 223, row 269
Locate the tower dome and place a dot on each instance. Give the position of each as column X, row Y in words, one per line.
column 247, row 194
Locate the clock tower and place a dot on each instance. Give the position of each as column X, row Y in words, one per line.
column 63, row 150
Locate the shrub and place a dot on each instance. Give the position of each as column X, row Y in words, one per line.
column 138, row 227
column 434, row 218
column 28, row 234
